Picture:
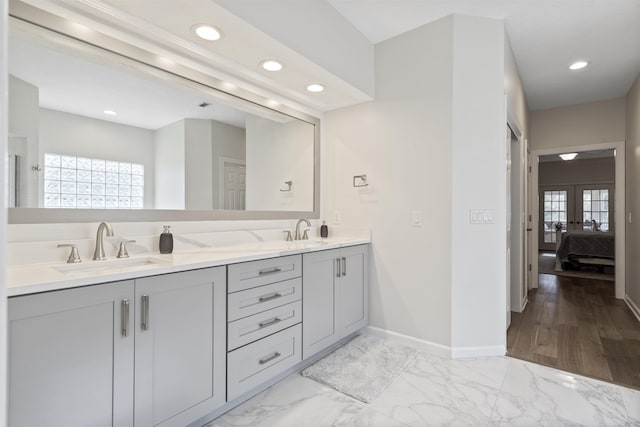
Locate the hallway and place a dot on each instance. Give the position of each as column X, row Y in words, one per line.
column 577, row 325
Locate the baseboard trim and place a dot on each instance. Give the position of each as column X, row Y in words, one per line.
column 632, row 305
column 417, row 343
column 467, row 352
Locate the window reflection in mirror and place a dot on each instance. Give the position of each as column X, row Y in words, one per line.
column 82, row 121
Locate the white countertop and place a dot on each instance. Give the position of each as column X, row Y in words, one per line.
column 44, row 277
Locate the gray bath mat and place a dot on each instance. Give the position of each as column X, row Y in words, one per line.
column 363, row 368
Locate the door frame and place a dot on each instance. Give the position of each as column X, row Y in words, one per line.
column 619, row 205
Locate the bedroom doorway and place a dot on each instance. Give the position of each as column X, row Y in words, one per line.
column 616, row 203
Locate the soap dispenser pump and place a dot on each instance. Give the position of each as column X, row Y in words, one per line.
column 166, row 241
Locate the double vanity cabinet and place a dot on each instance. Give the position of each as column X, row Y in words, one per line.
column 170, row 349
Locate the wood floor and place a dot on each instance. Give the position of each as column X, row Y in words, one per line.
column 577, row 325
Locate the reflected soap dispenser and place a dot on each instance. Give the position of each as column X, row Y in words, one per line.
column 166, row 241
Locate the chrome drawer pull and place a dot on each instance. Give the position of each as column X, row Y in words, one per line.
column 125, row 318
column 271, row 271
column 270, row 358
column 270, row 297
column 270, row 322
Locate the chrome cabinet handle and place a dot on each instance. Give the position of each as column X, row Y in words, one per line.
column 269, row 297
column 269, row 322
column 344, row 266
column 125, row 317
column 145, row 312
column 269, row 358
column 338, row 267
column 270, row 271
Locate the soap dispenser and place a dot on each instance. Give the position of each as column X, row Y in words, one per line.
column 166, row 241
column 324, row 230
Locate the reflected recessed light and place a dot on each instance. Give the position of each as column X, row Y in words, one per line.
column 110, row 112
column 229, row 86
column 568, row 156
column 272, row 103
column 315, row 87
column 207, row 32
column 271, row 65
column 578, row 65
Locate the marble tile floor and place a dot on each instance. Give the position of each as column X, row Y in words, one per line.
column 432, row 391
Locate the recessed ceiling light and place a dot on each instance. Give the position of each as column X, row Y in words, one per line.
column 568, row 156
column 207, row 32
column 578, row 65
column 271, row 65
column 272, row 103
column 110, row 112
column 315, row 87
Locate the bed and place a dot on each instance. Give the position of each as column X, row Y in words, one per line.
column 586, row 248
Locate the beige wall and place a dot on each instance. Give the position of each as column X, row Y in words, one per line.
column 586, row 171
column 402, row 141
column 632, row 196
column 584, row 124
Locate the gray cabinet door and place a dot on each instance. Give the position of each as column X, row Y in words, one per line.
column 334, row 296
column 351, row 290
column 70, row 363
column 319, row 328
column 180, row 346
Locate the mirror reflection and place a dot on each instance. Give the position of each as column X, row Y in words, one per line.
column 91, row 130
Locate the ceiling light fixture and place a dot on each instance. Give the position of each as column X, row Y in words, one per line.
column 271, row 65
column 207, row 32
column 568, row 156
column 110, row 112
column 315, row 87
column 578, row 65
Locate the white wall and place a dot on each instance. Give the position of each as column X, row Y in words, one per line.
column 632, row 196
column 578, row 125
column 279, row 152
column 198, row 168
column 24, row 101
column 169, row 156
column 227, row 141
column 478, row 253
column 65, row 133
column 4, row 129
column 402, row 141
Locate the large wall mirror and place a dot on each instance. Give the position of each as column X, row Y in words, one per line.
column 94, row 135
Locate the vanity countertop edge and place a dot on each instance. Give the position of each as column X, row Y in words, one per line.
column 36, row 278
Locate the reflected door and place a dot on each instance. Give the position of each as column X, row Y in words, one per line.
column 234, row 186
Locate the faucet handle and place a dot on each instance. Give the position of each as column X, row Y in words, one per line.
column 122, row 252
column 305, row 236
column 287, row 236
column 74, row 256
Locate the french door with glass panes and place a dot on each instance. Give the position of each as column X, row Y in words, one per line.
column 574, row 207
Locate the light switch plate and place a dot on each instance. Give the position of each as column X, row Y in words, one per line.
column 337, row 217
column 416, row 218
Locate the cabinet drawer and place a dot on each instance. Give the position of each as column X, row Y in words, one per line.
column 248, row 275
column 262, row 298
column 252, row 328
column 250, row 366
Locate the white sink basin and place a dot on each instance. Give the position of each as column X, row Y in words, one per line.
column 109, row 265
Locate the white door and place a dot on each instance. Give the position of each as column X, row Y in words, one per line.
column 234, row 186
column 594, row 207
column 556, row 207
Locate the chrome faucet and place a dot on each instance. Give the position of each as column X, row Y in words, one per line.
column 298, row 236
column 98, row 254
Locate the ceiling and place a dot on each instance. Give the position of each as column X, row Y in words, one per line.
column 546, row 37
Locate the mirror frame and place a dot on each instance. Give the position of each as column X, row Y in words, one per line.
column 20, row 11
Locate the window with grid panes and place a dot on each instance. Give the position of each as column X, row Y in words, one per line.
column 85, row 183
column 595, row 207
column 555, row 211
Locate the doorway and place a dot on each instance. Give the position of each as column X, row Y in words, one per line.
column 233, row 184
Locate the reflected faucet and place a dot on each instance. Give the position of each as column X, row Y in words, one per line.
column 297, row 235
column 98, row 254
